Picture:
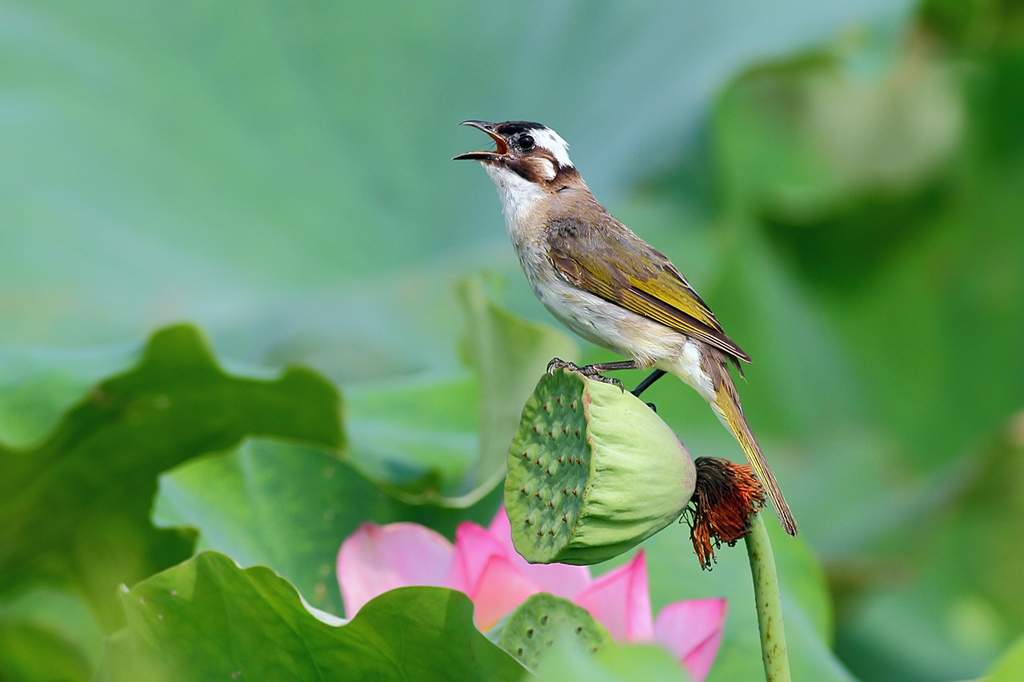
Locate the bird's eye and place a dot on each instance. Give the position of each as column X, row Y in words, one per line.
column 526, row 142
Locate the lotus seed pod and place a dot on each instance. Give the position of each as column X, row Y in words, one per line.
column 536, row 624
column 592, row 472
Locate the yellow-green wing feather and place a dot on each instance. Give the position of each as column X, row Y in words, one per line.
column 622, row 268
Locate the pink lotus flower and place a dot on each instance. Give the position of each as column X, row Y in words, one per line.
column 484, row 565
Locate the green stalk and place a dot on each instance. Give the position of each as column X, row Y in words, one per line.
column 769, row 603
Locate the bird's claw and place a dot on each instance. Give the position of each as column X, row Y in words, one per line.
column 558, row 363
column 587, row 371
column 608, row 380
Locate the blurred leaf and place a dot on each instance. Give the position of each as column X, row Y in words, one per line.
column 887, row 257
column 289, row 507
column 415, row 434
column 974, row 28
column 208, row 619
column 803, row 140
column 75, row 508
column 39, row 385
column 457, row 446
column 47, row 634
column 925, row 607
column 913, row 267
column 261, row 171
column 1011, row 666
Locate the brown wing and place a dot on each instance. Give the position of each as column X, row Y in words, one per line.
column 622, row 268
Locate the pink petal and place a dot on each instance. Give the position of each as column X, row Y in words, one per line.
column 501, row 588
column 692, row 631
column 620, row 601
column 376, row 559
column 561, row 580
column 474, row 547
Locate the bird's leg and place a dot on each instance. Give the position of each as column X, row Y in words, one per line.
column 646, row 383
column 594, row 371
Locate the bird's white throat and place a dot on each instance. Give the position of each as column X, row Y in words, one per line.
column 518, row 195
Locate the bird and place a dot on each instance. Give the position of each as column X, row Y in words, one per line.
column 606, row 284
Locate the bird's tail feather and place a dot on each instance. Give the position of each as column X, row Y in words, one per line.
column 731, row 414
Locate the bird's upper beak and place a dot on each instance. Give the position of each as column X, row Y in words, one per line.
column 499, row 153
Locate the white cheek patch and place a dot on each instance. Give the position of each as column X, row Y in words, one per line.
column 546, row 168
column 550, row 140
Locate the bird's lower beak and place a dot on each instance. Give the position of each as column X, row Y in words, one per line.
column 500, row 152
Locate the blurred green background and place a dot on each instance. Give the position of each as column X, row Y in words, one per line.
column 842, row 182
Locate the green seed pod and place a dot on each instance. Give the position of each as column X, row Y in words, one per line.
column 540, row 621
column 592, row 472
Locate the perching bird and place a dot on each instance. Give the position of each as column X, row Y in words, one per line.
column 608, row 285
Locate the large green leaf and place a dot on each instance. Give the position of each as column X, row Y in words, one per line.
column 75, row 508
column 289, row 507
column 282, row 175
column 209, row 619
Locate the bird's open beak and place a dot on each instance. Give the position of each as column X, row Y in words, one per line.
column 500, row 152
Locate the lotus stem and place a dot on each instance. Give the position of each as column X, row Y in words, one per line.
column 769, row 603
